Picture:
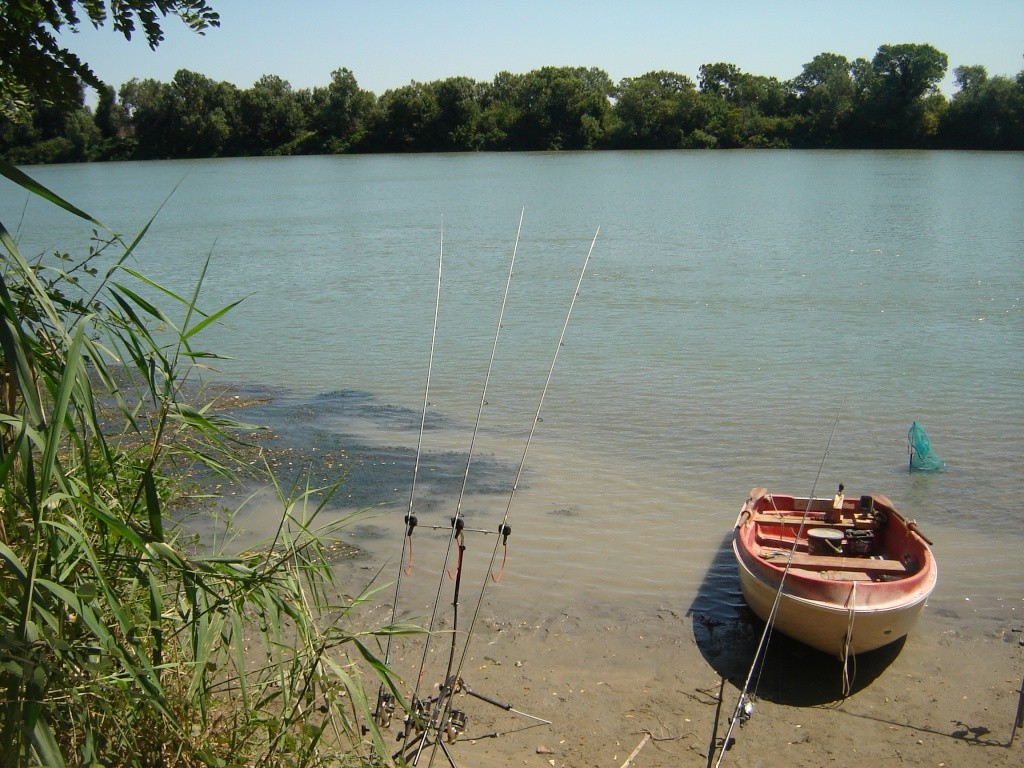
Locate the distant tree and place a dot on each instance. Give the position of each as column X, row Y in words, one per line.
column 342, row 113
column 891, row 100
column 970, row 78
column 898, row 102
column 81, row 131
column 192, row 116
column 406, row 116
column 651, row 112
column 720, row 79
column 146, row 105
column 51, row 134
column 440, row 116
column 455, row 127
column 269, row 117
column 560, row 108
column 105, row 118
column 754, row 113
column 824, row 99
column 35, row 66
column 200, row 115
column 500, row 110
column 907, row 72
column 986, row 113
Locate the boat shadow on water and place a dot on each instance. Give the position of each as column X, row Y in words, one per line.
column 728, row 633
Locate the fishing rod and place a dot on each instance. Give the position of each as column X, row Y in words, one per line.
column 385, row 700
column 744, row 706
column 454, row 681
column 457, row 522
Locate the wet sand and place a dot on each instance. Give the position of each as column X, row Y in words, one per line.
column 612, row 681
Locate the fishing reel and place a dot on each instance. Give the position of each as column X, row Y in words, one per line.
column 415, row 721
column 745, row 712
column 385, row 710
column 456, row 724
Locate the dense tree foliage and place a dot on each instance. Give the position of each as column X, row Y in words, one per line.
column 36, row 67
column 987, row 113
column 890, row 101
column 898, row 103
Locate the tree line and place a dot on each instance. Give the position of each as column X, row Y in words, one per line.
column 889, row 102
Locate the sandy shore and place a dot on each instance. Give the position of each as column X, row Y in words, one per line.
column 627, row 676
column 611, row 683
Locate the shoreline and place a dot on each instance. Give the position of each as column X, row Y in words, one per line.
column 636, row 675
column 942, row 697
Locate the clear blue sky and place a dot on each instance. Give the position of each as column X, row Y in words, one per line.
column 388, row 43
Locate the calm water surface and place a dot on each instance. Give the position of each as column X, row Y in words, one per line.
column 737, row 306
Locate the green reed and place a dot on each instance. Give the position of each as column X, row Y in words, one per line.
column 122, row 643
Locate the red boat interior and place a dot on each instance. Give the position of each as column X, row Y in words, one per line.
column 865, row 541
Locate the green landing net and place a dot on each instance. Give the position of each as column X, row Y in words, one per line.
column 922, row 457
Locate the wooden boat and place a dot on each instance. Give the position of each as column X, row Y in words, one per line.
column 851, row 579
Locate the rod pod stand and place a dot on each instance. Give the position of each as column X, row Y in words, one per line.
column 435, row 721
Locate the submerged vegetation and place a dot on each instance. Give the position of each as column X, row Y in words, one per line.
column 123, row 640
column 891, row 101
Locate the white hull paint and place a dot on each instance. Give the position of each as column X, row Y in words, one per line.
column 823, row 625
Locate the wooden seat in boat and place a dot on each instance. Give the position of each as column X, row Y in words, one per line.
column 838, row 563
column 796, row 519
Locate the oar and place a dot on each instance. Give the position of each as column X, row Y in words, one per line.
column 912, row 526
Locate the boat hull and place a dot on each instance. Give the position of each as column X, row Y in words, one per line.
column 866, row 592
column 824, row 625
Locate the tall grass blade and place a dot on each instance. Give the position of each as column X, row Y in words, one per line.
column 25, row 181
column 156, row 525
column 45, row 745
column 137, row 645
column 72, row 370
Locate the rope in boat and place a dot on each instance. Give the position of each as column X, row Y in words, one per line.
column 848, row 642
column 744, row 706
column 515, row 486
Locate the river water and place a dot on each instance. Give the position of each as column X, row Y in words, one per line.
column 737, row 307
